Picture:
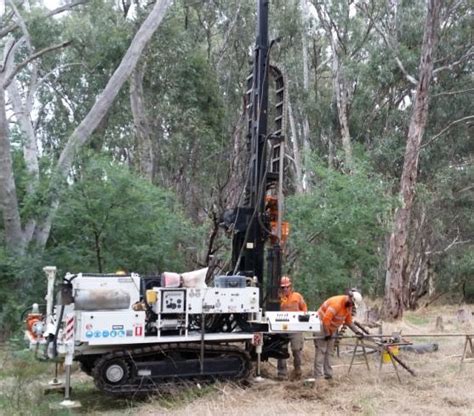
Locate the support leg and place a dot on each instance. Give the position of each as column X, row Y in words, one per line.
column 353, row 356
column 392, row 360
column 67, row 402
column 468, row 341
column 365, row 355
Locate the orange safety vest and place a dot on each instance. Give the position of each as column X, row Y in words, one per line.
column 294, row 302
column 333, row 313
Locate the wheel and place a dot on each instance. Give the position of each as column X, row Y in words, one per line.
column 114, row 372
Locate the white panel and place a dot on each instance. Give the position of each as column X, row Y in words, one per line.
column 222, row 300
column 293, row 321
column 111, row 328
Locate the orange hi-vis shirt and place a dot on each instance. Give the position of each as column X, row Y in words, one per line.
column 334, row 313
column 294, row 302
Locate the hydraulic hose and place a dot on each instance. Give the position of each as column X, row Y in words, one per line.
column 55, row 341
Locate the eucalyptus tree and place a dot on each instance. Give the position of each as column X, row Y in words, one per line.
column 347, row 31
column 20, row 56
column 402, row 276
column 16, row 237
column 398, row 249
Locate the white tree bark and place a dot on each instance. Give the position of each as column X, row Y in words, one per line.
column 8, row 197
column 306, row 129
column 30, row 149
column 296, row 151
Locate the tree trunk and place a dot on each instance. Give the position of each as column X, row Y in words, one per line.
column 299, row 179
column 144, row 147
column 8, row 198
column 233, row 189
column 396, row 276
column 306, row 129
column 340, row 88
column 102, row 105
column 30, row 149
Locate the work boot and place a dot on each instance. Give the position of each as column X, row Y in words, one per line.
column 296, row 374
column 282, row 377
column 320, row 385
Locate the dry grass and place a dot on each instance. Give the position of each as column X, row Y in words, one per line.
column 439, row 388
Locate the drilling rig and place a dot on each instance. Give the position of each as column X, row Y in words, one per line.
column 135, row 333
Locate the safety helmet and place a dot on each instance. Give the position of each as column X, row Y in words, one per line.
column 356, row 296
column 285, row 281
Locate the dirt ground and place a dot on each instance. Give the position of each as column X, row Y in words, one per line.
column 439, row 388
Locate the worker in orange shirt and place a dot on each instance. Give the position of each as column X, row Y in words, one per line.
column 293, row 302
column 333, row 313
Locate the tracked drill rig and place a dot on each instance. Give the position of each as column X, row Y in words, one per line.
column 135, row 333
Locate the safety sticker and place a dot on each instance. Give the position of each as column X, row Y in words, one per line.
column 138, row 331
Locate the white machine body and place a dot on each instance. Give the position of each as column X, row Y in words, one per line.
column 109, row 312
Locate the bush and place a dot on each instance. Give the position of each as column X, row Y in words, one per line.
column 337, row 230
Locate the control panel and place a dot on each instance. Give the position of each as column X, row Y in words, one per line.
column 280, row 321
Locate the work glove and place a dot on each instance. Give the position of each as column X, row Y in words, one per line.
column 327, row 337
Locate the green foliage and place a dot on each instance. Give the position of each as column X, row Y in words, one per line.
column 336, row 231
column 449, row 203
column 454, row 274
column 195, row 70
column 111, row 219
column 21, row 280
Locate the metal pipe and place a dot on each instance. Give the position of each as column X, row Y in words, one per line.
column 402, row 335
column 51, row 276
column 67, row 389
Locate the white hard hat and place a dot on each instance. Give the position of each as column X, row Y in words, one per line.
column 285, row 281
column 356, row 296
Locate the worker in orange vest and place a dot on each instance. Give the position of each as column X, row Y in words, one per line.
column 333, row 313
column 293, row 302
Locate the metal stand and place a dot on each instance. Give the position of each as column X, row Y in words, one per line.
column 359, row 342
column 67, row 402
column 471, row 353
column 392, row 360
column 55, row 381
column 385, row 347
column 54, row 385
column 203, row 333
column 258, row 342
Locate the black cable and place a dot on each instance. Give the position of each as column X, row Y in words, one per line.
column 70, row 279
column 55, row 341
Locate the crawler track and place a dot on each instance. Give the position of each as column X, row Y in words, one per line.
column 147, row 369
